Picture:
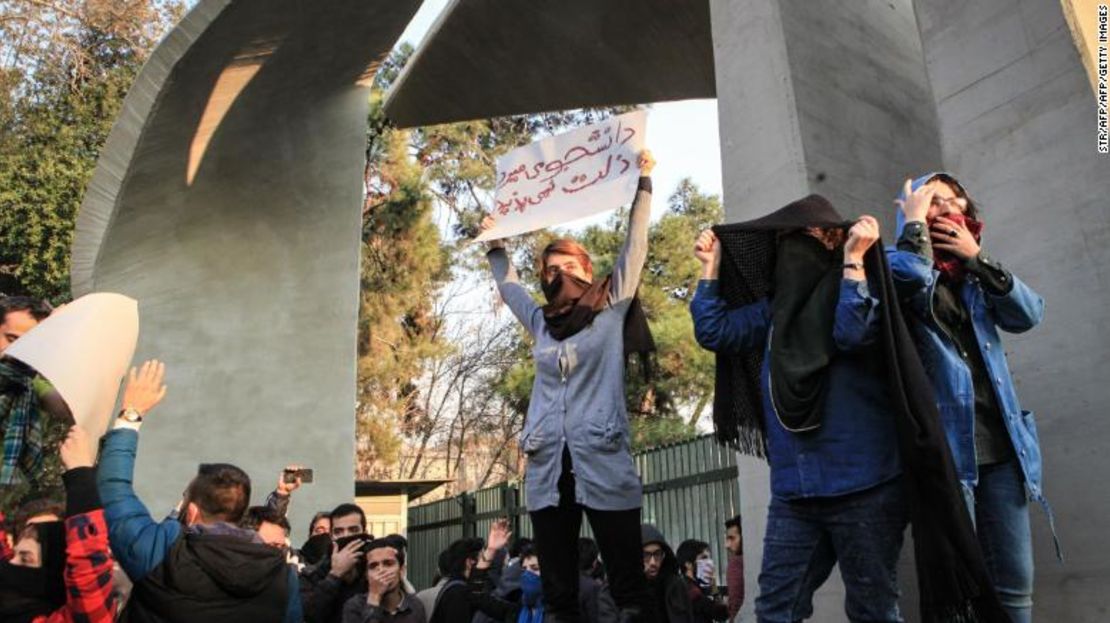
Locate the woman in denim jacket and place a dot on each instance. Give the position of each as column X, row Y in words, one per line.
column 957, row 298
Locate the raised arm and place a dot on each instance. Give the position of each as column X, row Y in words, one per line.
column 88, row 574
column 630, row 262
column 911, row 258
column 515, row 295
column 278, row 500
column 857, row 319
column 716, row 327
column 138, row 542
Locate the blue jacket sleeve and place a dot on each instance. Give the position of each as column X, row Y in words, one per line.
column 857, row 316
column 1018, row 310
column 138, row 542
column 724, row 330
column 913, row 276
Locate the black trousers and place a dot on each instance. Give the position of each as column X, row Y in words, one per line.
column 618, row 538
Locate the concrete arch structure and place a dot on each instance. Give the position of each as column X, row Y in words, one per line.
column 245, row 260
column 227, row 202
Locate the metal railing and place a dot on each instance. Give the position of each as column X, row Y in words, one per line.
column 690, row 489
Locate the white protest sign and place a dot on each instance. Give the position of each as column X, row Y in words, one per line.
column 559, row 179
column 84, row 350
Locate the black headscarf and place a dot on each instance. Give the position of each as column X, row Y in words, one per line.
column 749, row 258
column 803, row 310
column 952, row 577
column 27, row 593
column 316, row 548
column 572, row 304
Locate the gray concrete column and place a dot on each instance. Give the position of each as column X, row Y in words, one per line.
column 830, row 98
column 1017, row 121
column 820, row 97
column 227, row 202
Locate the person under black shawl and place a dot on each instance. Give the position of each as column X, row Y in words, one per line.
column 769, row 262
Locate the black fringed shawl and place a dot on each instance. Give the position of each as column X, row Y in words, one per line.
column 951, row 574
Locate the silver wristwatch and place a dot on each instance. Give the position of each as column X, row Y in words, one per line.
column 131, row 414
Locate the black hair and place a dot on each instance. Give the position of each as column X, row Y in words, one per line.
column 40, row 310
column 317, row 517
column 452, row 561
column 36, row 508
column 399, row 542
column 519, row 544
column 221, row 491
column 344, row 510
column 386, row 542
column 588, row 554
column 734, row 523
column 688, row 552
column 256, row 515
column 972, row 210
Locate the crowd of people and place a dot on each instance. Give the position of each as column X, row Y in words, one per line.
column 863, row 435
column 100, row 555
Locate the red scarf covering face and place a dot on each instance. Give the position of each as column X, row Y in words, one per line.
column 951, row 267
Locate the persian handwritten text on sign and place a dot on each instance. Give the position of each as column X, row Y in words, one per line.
column 567, row 177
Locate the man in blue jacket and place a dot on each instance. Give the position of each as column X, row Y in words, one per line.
column 826, row 421
column 202, row 566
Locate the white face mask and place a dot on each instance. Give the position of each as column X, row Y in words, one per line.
column 704, row 567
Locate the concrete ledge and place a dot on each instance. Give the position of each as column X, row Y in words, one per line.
column 487, row 58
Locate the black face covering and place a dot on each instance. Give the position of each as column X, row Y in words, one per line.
column 952, row 576
column 26, row 593
column 316, row 548
column 807, row 286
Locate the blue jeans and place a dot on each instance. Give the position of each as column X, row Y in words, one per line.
column 999, row 506
column 805, row 538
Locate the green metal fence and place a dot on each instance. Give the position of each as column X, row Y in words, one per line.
column 690, row 489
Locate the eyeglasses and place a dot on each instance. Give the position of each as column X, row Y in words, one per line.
column 942, row 202
column 654, row 555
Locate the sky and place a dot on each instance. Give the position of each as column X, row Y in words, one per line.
column 681, row 135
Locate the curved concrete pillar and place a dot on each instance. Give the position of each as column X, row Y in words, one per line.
column 227, row 202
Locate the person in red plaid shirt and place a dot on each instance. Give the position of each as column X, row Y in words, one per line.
column 62, row 572
column 5, row 539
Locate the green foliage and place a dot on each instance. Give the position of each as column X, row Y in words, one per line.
column 648, row 433
column 404, row 264
column 64, row 71
column 47, row 156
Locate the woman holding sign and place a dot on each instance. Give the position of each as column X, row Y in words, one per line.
column 576, row 434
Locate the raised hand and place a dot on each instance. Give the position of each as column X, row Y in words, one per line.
column 860, row 238
column 499, row 534
column 646, row 162
column 707, row 248
column 285, row 488
column 78, row 449
column 144, row 387
column 486, row 225
column 915, row 203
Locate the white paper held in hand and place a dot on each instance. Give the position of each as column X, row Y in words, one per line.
column 84, row 350
column 580, row 173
